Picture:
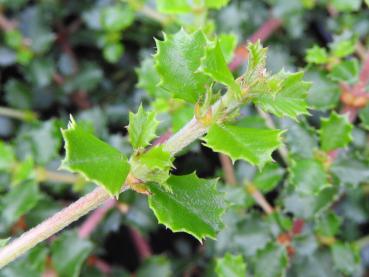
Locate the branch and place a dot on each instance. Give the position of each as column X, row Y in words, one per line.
column 18, row 114
column 228, row 169
column 143, row 248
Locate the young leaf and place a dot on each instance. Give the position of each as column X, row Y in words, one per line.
column 214, row 65
column 230, row 266
column 308, row 176
column 141, row 128
column 153, row 165
column 228, row 43
column 194, row 205
column 252, row 145
column 68, row 253
column 335, row 132
column 328, row 225
column 272, row 261
column 344, row 44
column 346, row 71
column 177, row 60
column 290, row 100
column 217, row 4
column 346, row 258
column 317, row 55
column 94, row 159
column 173, row 6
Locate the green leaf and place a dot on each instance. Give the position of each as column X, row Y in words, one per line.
column 177, row 59
column 94, row 159
column 228, row 43
column 335, row 132
column 346, row 6
column 364, row 117
column 252, row 145
column 173, row 6
column 344, row 44
column 18, row 94
column 346, row 71
column 308, row 176
column 230, row 266
column 216, row 3
column 68, row 253
column 7, row 157
column 18, row 201
column 290, row 100
column 197, row 202
column 272, row 261
column 155, row 266
column 148, row 79
column 350, row 171
column 256, row 62
column 3, row 242
column 214, row 65
column 345, row 257
column 267, row 179
column 153, row 165
column 25, row 170
column 328, row 224
column 113, row 52
column 316, row 55
column 324, row 93
column 117, row 18
column 141, row 128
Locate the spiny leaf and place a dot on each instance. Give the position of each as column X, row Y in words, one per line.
column 335, row 132
column 230, row 266
column 346, row 71
column 308, row 176
column 257, row 57
column 194, row 206
column 177, row 60
column 317, row 55
column 214, row 65
column 153, row 165
column 290, row 100
column 228, row 43
column 252, row 145
column 141, row 128
column 267, row 179
column 96, row 160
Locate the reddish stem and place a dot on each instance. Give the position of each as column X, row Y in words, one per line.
column 143, row 248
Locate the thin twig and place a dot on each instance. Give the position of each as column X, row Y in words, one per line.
column 259, row 198
column 228, row 169
column 143, row 248
column 18, row 114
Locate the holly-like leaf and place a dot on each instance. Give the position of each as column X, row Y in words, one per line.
column 68, row 253
column 228, row 43
column 193, row 206
column 214, row 65
column 116, row 18
column 142, row 127
column 346, row 258
column 230, row 266
column 267, row 179
column 177, row 60
column 96, row 160
column 335, row 132
column 252, row 145
column 153, row 165
column 272, row 261
column 328, row 224
column 256, row 62
column 290, row 100
column 350, row 171
column 317, row 55
column 308, row 176
column 173, row 6
column 346, row 71
column 344, row 44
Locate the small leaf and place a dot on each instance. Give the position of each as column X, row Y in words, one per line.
column 272, row 261
column 267, row 179
column 335, row 132
column 68, row 253
column 117, row 18
column 228, row 43
column 194, row 206
column 317, row 55
column 230, row 266
column 290, row 100
column 346, row 6
column 328, row 224
column 94, row 159
column 345, row 44
column 364, row 117
column 350, row 171
column 177, row 60
column 155, row 266
column 346, row 258
column 173, row 6
column 141, row 128
column 7, row 157
column 3, row 242
column 214, row 65
column 308, row 176
column 252, row 145
column 153, row 165
column 346, row 71
column 256, row 62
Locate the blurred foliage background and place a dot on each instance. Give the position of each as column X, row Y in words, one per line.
column 92, row 59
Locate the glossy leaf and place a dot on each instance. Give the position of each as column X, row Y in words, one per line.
column 267, row 179
column 177, row 60
column 272, row 261
column 69, row 252
column 345, row 257
column 346, row 71
column 335, row 132
column 230, row 266
column 252, row 145
column 142, row 127
column 195, row 199
column 94, row 159
column 228, row 43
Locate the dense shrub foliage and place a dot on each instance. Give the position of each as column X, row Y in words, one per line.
column 201, row 138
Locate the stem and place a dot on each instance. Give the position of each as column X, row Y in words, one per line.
column 18, row 114
column 56, row 176
column 228, row 169
column 259, row 198
column 52, row 225
column 141, row 244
